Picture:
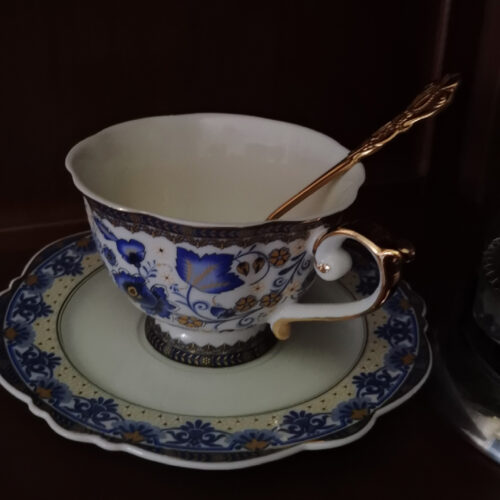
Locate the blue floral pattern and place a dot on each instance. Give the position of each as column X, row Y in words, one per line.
column 374, row 383
column 397, row 330
column 353, row 411
column 85, row 245
column 100, row 412
column 197, row 434
column 137, row 432
column 37, row 368
column 35, row 361
column 39, row 281
column 31, row 305
column 52, row 391
column 65, row 263
column 19, row 334
column 210, row 273
column 152, row 301
column 254, row 440
column 192, row 297
column 109, row 255
column 400, row 358
column 303, row 423
column 132, row 251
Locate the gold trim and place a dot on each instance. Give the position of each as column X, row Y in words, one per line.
column 388, row 260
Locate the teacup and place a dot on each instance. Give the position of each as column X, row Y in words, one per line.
column 177, row 206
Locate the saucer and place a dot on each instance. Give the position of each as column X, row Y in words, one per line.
column 75, row 351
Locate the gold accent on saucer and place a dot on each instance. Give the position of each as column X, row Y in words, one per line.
column 389, row 261
column 255, row 445
column 359, row 414
column 133, row 437
column 10, row 333
column 31, row 279
column 433, row 99
column 43, row 392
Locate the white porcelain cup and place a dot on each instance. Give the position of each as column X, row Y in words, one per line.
column 177, row 206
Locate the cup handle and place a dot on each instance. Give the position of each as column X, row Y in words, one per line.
column 331, row 262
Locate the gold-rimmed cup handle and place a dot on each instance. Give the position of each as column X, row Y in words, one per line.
column 332, row 261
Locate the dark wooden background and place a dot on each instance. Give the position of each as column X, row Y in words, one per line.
column 69, row 69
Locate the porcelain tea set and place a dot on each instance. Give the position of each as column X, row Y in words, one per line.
column 233, row 355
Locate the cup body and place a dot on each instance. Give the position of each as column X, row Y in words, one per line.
column 205, row 279
column 208, row 284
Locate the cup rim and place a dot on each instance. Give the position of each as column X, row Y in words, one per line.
column 356, row 176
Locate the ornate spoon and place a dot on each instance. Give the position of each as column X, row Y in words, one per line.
column 433, row 99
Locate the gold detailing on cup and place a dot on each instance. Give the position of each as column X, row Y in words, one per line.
column 323, row 268
column 389, row 260
column 389, row 263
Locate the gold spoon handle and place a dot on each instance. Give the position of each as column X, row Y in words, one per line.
column 433, row 99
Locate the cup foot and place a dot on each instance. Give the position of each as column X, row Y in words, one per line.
column 208, row 355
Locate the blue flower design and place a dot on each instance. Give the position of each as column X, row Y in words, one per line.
column 85, row 245
column 397, row 304
column 102, row 413
column 197, row 434
column 52, row 391
column 397, row 330
column 254, row 440
column 374, row 384
column 354, row 410
column 97, row 242
column 400, row 358
column 132, row 251
column 19, row 334
column 35, row 361
column 109, row 255
column 134, row 286
column 137, row 432
column 104, row 230
column 31, row 306
column 221, row 312
column 160, row 306
column 303, row 423
column 210, row 273
column 66, row 263
column 38, row 281
column 152, row 301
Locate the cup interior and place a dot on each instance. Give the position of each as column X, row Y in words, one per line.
column 211, row 168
